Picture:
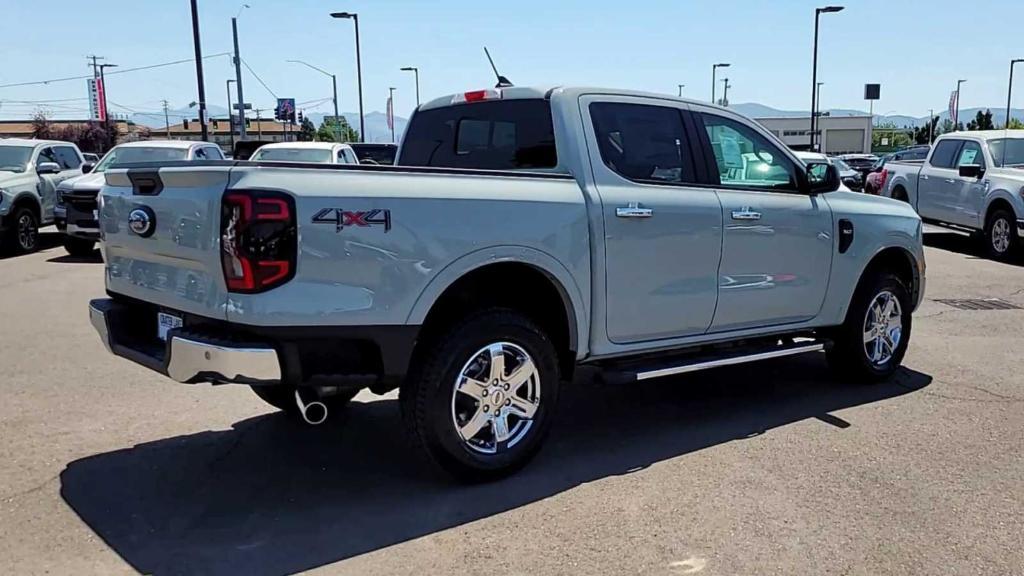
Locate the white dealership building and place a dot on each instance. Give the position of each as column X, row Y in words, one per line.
column 839, row 134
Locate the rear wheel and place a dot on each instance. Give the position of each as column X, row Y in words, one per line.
column 870, row 345
column 1001, row 238
column 480, row 400
column 78, row 247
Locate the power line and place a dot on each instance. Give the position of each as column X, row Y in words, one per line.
column 121, row 71
column 255, row 76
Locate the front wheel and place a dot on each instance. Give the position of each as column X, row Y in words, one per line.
column 78, row 247
column 480, row 399
column 23, row 236
column 1001, row 237
column 870, row 345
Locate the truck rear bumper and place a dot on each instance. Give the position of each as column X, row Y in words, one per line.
column 215, row 351
column 188, row 357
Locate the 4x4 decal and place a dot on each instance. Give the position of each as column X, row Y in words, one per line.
column 344, row 218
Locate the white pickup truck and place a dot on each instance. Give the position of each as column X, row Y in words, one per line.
column 971, row 180
column 524, row 232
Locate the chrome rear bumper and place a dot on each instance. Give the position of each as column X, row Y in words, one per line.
column 188, row 357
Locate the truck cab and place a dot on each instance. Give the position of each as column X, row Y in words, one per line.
column 30, row 172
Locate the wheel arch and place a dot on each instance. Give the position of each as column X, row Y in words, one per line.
column 998, row 200
column 475, row 280
column 27, row 199
column 901, row 262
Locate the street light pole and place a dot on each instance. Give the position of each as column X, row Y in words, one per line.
column 956, row 114
column 931, row 124
column 814, row 67
column 231, row 118
column 681, row 86
column 1009, row 93
column 725, row 92
column 415, row 71
column 238, row 77
column 817, row 113
column 359, row 70
column 334, row 87
column 199, row 72
column 714, row 70
column 391, row 112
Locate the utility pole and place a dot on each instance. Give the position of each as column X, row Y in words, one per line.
column 167, row 121
column 238, row 82
column 199, row 72
column 231, row 116
column 259, row 124
column 391, row 112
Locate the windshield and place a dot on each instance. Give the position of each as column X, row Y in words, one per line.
column 1012, row 148
column 315, row 155
column 384, row 155
column 841, row 166
column 134, row 154
column 14, row 158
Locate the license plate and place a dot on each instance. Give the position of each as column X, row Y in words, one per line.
column 165, row 322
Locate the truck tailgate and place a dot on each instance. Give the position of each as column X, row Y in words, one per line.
column 176, row 264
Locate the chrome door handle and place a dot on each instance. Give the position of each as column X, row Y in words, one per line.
column 924, row 176
column 633, row 211
column 950, row 180
column 745, row 214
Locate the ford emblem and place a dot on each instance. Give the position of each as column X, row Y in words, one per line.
column 142, row 221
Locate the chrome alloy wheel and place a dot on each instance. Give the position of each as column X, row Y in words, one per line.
column 883, row 328
column 27, row 232
column 496, row 396
column 1000, row 235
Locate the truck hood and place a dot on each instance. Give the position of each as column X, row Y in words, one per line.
column 18, row 179
column 855, row 202
column 85, row 182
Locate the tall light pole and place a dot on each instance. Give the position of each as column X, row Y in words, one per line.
column 931, row 125
column 359, row 70
column 1009, row 92
column 231, row 117
column 415, row 71
column 199, row 72
column 725, row 91
column 817, row 111
column 956, row 113
column 391, row 112
column 714, row 70
column 681, row 86
column 334, row 86
column 238, row 77
column 814, row 67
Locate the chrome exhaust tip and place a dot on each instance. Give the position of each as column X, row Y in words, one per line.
column 313, row 413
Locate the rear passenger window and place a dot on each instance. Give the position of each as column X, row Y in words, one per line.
column 214, row 153
column 496, row 135
column 67, row 157
column 199, row 154
column 945, row 154
column 971, row 154
column 643, row 143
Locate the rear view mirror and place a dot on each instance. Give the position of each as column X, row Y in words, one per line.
column 971, row 171
column 822, row 177
column 48, row 168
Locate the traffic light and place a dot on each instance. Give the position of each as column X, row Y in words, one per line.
column 300, row 116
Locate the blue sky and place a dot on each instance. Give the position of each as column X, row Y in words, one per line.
column 907, row 46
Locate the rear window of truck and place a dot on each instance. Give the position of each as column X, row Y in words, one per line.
column 500, row 135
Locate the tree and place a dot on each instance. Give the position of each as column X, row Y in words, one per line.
column 1015, row 124
column 329, row 132
column 41, row 127
column 930, row 129
column 95, row 137
column 947, row 126
column 983, row 121
column 307, row 131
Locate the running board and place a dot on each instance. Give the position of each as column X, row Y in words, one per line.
column 696, row 362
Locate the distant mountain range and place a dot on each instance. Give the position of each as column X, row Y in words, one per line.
column 376, row 122
column 755, row 110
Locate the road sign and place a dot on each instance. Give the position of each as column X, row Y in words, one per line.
column 247, row 106
column 285, row 110
column 872, row 91
column 96, row 109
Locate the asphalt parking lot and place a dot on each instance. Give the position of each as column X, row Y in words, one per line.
column 773, row 468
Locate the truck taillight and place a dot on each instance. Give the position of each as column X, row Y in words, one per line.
column 882, row 177
column 477, row 96
column 258, row 246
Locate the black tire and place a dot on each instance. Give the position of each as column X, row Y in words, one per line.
column 23, row 234
column 431, row 407
column 900, row 194
column 79, row 247
column 1003, row 223
column 849, row 356
column 282, row 397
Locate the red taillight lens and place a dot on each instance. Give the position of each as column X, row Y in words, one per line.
column 882, row 177
column 258, row 240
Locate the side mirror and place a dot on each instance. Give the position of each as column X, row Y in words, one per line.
column 822, row 177
column 971, row 171
column 87, row 167
column 48, row 168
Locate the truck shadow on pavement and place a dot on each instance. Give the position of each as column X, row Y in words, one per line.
column 272, row 497
column 961, row 243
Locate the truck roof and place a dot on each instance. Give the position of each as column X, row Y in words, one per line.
column 186, row 144
column 985, row 134
column 31, row 142
column 308, row 145
column 534, row 92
